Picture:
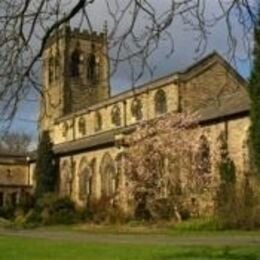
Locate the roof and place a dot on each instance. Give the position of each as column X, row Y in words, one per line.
column 13, row 158
column 104, row 139
column 207, row 61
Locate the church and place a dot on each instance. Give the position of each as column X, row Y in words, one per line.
column 87, row 124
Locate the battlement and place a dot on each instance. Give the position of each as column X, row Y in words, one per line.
column 77, row 32
column 67, row 31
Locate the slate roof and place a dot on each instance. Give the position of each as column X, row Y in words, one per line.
column 13, row 158
column 103, row 139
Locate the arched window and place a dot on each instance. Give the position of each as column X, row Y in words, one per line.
column 109, row 182
column 160, row 102
column 75, row 63
column 121, row 167
column 91, row 67
column 65, row 129
column 51, row 69
column 66, row 179
column 82, row 126
column 203, row 163
column 98, row 122
column 226, row 166
column 116, row 116
column 246, row 154
column 163, row 188
column 57, row 66
column 85, row 180
column 223, row 145
column 136, row 109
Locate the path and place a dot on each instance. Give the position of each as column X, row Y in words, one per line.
column 187, row 240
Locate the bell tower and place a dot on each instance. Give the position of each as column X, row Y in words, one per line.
column 75, row 73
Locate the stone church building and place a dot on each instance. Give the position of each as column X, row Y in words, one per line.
column 87, row 124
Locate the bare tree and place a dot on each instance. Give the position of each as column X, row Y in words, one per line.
column 15, row 143
column 135, row 30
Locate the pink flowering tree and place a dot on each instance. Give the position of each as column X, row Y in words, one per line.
column 164, row 164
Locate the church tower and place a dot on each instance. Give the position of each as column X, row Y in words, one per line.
column 75, row 73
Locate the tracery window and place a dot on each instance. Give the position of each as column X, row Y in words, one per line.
column 98, row 122
column 51, row 69
column 57, row 67
column 85, row 182
column 82, row 126
column 116, row 116
column 245, row 154
column 109, row 180
column 66, row 179
column 91, row 67
column 136, row 109
column 163, row 189
column 160, row 101
column 75, row 63
column 65, row 129
column 203, row 156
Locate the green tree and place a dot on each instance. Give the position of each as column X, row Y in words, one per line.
column 46, row 169
column 226, row 193
column 254, row 90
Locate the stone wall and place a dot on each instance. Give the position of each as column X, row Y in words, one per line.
column 67, row 128
column 14, row 180
column 207, row 84
column 14, row 174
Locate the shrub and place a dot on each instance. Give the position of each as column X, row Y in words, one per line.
column 104, row 210
column 162, row 209
column 50, row 210
column 63, row 211
column 27, row 202
column 7, row 211
column 46, row 167
column 198, row 224
column 33, row 219
column 241, row 210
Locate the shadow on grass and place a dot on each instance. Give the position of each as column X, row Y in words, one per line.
column 224, row 254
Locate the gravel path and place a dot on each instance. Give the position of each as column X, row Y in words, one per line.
column 187, row 240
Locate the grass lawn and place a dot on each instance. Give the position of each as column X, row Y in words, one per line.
column 12, row 247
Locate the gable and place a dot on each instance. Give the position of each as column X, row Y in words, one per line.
column 209, row 81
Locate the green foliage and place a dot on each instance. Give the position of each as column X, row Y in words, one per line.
column 46, row 169
column 235, row 210
column 7, row 212
column 198, row 224
column 226, row 193
column 226, row 166
column 63, row 211
column 32, row 219
column 48, row 210
column 55, row 210
column 254, row 90
column 27, row 202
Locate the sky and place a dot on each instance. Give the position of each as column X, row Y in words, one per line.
column 185, row 43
